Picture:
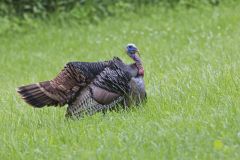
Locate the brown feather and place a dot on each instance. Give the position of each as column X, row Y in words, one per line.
column 64, row 87
column 33, row 95
column 103, row 96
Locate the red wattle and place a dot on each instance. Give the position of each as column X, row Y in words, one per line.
column 141, row 72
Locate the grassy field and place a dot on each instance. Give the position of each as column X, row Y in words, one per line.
column 192, row 67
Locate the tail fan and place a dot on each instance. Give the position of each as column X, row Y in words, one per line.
column 36, row 95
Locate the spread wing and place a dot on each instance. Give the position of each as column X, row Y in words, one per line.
column 107, row 90
column 62, row 89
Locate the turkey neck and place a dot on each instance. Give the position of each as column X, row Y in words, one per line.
column 138, row 63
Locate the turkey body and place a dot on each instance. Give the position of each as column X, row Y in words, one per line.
column 137, row 91
column 88, row 88
column 93, row 99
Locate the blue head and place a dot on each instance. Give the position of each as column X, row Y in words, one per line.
column 131, row 49
column 133, row 52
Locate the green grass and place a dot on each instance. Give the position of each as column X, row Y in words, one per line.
column 192, row 67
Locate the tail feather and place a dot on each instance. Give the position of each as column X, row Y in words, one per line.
column 28, row 87
column 34, row 95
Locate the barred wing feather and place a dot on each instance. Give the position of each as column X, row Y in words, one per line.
column 64, row 88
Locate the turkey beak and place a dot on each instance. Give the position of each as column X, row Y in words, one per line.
column 138, row 53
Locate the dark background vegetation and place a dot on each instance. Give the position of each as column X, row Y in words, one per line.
column 22, row 15
column 93, row 10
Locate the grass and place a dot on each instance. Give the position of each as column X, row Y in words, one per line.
column 192, row 66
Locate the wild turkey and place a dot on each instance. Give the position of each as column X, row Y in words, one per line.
column 90, row 87
column 109, row 88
